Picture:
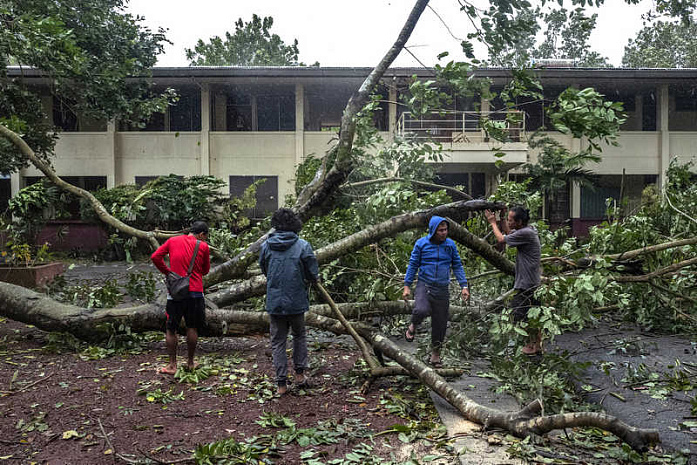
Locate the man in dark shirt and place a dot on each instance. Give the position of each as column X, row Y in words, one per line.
column 289, row 265
column 517, row 233
column 180, row 250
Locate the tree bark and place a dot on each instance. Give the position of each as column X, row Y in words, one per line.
column 456, row 194
column 315, row 193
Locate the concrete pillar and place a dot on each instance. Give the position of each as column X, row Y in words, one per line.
column 392, row 110
column 575, row 200
column 205, row 165
column 15, row 181
column 299, row 123
column 113, row 174
column 664, row 134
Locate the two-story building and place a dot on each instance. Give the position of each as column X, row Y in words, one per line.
column 242, row 124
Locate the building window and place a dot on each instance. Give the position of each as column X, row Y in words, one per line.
column 182, row 116
column 472, row 183
column 239, row 112
column 276, row 112
column 593, row 206
column 143, row 180
column 65, row 117
column 266, row 196
column 89, row 183
column 5, row 192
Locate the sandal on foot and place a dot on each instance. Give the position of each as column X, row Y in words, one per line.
column 408, row 335
column 436, row 364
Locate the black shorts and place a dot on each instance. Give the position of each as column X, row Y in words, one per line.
column 193, row 309
column 521, row 303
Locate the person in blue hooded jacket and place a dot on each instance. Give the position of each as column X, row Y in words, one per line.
column 433, row 256
column 289, row 264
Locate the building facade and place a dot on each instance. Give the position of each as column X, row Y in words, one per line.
column 243, row 124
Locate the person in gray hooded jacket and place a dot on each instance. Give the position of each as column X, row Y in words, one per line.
column 289, row 264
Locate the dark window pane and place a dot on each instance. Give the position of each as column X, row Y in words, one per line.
column 185, row 115
column 5, row 193
column 143, row 180
column 266, row 197
column 276, row 113
column 63, row 116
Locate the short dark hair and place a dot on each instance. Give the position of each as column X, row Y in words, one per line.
column 285, row 219
column 520, row 214
column 198, row 227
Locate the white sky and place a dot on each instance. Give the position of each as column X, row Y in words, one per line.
column 355, row 32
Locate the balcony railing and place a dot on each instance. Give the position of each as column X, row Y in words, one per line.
column 463, row 126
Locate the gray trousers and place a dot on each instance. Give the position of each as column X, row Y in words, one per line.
column 280, row 324
column 433, row 301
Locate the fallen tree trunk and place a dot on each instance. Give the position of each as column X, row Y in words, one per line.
column 523, row 423
column 28, row 306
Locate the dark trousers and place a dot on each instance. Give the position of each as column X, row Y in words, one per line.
column 521, row 303
column 280, row 325
column 434, row 302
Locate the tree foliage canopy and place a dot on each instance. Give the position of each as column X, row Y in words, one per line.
column 87, row 48
column 663, row 45
column 252, row 44
column 566, row 36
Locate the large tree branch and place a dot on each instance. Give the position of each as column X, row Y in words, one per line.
column 102, row 214
column 652, row 248
column 456, row 194
column 314, row 194
column 655, row 274
column 458, row 210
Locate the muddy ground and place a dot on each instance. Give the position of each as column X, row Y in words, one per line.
column 64, row 403
column 56, row 406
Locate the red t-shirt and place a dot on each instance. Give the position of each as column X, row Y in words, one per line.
column 180, row 249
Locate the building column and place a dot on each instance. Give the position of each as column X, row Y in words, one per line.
column 639, row 111
column 664, row 134
column 392, row 110
column 205, row 162
column 112, row 176
column 15, row 182
column 299, row 124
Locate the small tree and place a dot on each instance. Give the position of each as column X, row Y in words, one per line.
column 663, row 45
column 252, row 44
column 87, row 49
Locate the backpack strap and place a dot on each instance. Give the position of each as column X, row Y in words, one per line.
column 193, row 259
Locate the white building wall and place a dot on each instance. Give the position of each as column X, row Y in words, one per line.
column 157, row 154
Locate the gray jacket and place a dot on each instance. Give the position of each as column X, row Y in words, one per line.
column 288, row 263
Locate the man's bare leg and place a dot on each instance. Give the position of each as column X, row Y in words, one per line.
column 191, row 341
column 171, row 343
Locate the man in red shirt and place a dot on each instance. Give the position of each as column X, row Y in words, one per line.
column 180, row 250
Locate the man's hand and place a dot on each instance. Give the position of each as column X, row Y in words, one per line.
column 490, row 216
column 465, row 294
column 406, row 293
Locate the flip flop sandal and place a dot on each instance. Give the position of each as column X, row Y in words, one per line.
column 438, row 364
column 408, row 335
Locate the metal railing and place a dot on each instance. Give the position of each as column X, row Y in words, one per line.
column 463, row 126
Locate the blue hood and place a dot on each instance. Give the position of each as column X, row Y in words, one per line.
column 282, row 240
column 433, row 225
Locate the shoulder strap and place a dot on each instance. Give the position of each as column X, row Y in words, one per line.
column 193, row 259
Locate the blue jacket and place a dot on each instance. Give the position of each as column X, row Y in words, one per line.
column 288, row 263
column 433, row 261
